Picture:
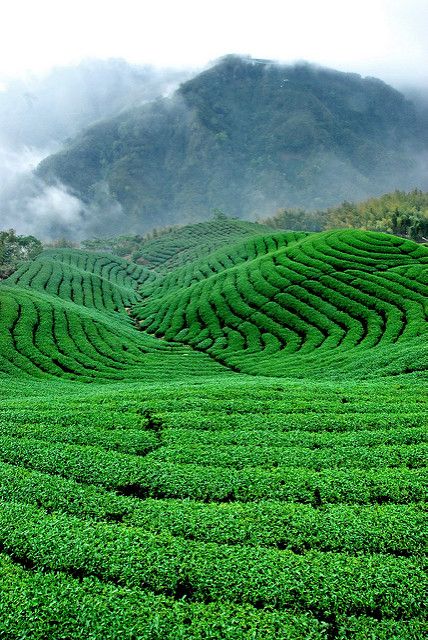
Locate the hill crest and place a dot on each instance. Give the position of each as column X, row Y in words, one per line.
column 246, row 138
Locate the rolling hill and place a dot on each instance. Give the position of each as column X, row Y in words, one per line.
column 228, row 441
column 64, row 314
column 247, row 137
column 292, row 303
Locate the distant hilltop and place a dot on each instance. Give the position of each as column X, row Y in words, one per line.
column 247, row 136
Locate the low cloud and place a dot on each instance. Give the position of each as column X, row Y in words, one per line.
column 36, row 117
column 30, row 206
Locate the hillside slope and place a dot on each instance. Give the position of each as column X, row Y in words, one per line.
column 64, row 315
column 194, row 241
column 174, row 497
column 247, row 138
column 324, row 304
column 289, row 304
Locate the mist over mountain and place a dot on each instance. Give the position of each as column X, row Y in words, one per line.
column 418, row 95
column 246, row 136
column 41, row 111
column 38, row 114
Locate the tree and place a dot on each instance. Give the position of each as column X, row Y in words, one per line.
column 219, row 214
column 16, row 249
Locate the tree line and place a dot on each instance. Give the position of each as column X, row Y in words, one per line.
column 400, row 213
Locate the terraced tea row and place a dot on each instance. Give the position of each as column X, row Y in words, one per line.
column 107, row 266
column 206, row 571
column 108, row 513
column 59, row 319
column 188, row 243
column 186, row 499
column 397, row 530
column 40, row 336
column 216, row 262
column 89, row 609
column 324, row 303
column 96, row 281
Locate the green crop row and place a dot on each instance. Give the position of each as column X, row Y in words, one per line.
column 187, row 244
column 255, row 438
column 395, row 529
column 42, row 605
column 345, row 457
column 217, row 262
column 134, row 475
column 131, row 441
column 388, row 529
column 326, row 583
column 277, row 421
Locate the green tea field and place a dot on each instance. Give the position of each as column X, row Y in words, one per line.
column 223, row 438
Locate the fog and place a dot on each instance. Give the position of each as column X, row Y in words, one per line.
column 47, row 94
column 39, row 113
column 383, row 38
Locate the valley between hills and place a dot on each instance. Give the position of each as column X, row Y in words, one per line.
column 224, row 437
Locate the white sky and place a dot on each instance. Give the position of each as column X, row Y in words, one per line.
column 385, row 38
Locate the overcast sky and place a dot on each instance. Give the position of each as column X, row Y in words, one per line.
column 384, row 38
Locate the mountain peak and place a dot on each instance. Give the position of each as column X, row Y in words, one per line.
column 247, row 136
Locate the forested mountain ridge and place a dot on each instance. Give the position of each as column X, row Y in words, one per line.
column 247, row 137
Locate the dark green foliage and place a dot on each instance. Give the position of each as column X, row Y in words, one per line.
column 247, row 138
column 404, row 214
column 16, row 249
column 129, row 245
column 400, row 213
column 297, row 220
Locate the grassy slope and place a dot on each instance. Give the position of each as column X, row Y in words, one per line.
column 184, row 500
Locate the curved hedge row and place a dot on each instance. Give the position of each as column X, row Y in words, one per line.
column 65, row 314
column 328, row 303
column 186, row 244
column 185, row 500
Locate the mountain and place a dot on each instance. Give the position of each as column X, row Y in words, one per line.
column 38, row 114
column 247, row 137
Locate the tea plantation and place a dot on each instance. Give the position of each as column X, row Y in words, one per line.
column 226, row 440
